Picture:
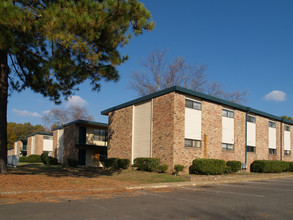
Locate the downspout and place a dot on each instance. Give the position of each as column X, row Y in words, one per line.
column 281, row 140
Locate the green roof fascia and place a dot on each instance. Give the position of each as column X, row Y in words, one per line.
column 21, row 139
column 41, row 133
column 200, row 95
column 81, row 122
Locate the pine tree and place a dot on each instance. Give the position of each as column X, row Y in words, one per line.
column 53, row 46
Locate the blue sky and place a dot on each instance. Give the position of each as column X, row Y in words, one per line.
column 246, row 45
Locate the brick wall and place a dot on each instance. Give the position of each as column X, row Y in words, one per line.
column 71, row 135
column 38, row 144
column 29, row 145
column 55, row 139
column 163, row 129
column 120, row 133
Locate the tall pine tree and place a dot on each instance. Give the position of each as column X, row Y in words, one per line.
column 51, row 46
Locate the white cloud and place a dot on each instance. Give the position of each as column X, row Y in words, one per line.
column 75, row 100
column 276, row 95
column 25, row 113
column 46, row 112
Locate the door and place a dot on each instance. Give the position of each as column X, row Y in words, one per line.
column 81, row 157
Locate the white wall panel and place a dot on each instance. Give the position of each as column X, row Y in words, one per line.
column 33, row 145
column 272, row 138
column 227, row 130
column 192, row 124
column 60, row 142
column 48, row 145
column 287, row 140
column 251, row 134
column 142, row 121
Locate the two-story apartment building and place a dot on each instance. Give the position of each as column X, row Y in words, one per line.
column 178, row 125
column 39, row 142
column 85, row 141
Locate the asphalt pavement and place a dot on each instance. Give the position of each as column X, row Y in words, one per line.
column 262, row 199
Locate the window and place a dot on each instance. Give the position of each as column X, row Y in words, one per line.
column 287, row 128
column 251, row 119
column 100, row 134
column 227, row 146
column 272, row 151
column 192, row 143
column 287, row 152
column 227, row 113
column 192, row 104
column 272, row 124
column 48, row 137
column 251, row 149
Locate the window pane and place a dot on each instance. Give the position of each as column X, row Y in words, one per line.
column 188, row 103
column 197, row 143
column 188, row 143
column 230, row 114
column 225, row 113
column 197, row 105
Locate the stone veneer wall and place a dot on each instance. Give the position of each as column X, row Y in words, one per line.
column 120, row 133
column 163, row 129
column 71, row 136
column 39, row 144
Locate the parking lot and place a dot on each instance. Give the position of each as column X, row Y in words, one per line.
column 267, row 199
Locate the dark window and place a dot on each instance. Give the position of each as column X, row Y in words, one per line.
column 82, row 135
column 287, row 128
column 251, row 119
column 227, row 113
column 100, row 134
column 192, row 104
column 251, row 149
column 272, row 151
column 287, row 152
column 192, row 143
column 272, row 124
column 227, row 146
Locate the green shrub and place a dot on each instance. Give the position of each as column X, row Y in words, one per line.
column 123, row 163
column 31, row 159
column 163, row 168
column 52, row 161
column 178, row 168
column 290, row 168
column 208, row 166
column 234, row 165
column 72, row 162
column 147, row 164
column 228, row 170
column 112, row 163
column 269, row 166
column 45, row 157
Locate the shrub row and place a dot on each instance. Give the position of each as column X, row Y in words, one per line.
column 271, row 166
column 214, row 166
column 117, row 163
column 48, row 159
column 31, row 159
column 150, row 164
column 72, row 162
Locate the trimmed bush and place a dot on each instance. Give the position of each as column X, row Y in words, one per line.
column 147, row 164
column 227, row 170
column 123, row 163
column 208, row 166
column 52, row 161
column 178, row 168
column 112, row 163
column 234, row 165
column 163, row 168
column 45, row 157
column 290, row 168
column 31, row 159
column 72, row 162
column 269, row 166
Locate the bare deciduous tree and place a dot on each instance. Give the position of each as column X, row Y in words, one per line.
column 160, row 74
column 57, row 117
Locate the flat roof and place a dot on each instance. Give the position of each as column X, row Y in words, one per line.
column 203, row 96
column 82, row 122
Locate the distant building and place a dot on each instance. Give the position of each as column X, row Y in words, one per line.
column 178, row 125
column 39, row 142
column 85, row 141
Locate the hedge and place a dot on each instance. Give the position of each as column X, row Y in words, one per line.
column 234, row 165
column 72, row 162
column 270, row 166
column 178, row 168
column 208, row 166
column 123, row 163
column 147, row 164
column 163, row 168
column 112, row 162
column 31, row 159
column 44, row 157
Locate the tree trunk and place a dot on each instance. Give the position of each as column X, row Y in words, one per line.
column 4, row 70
